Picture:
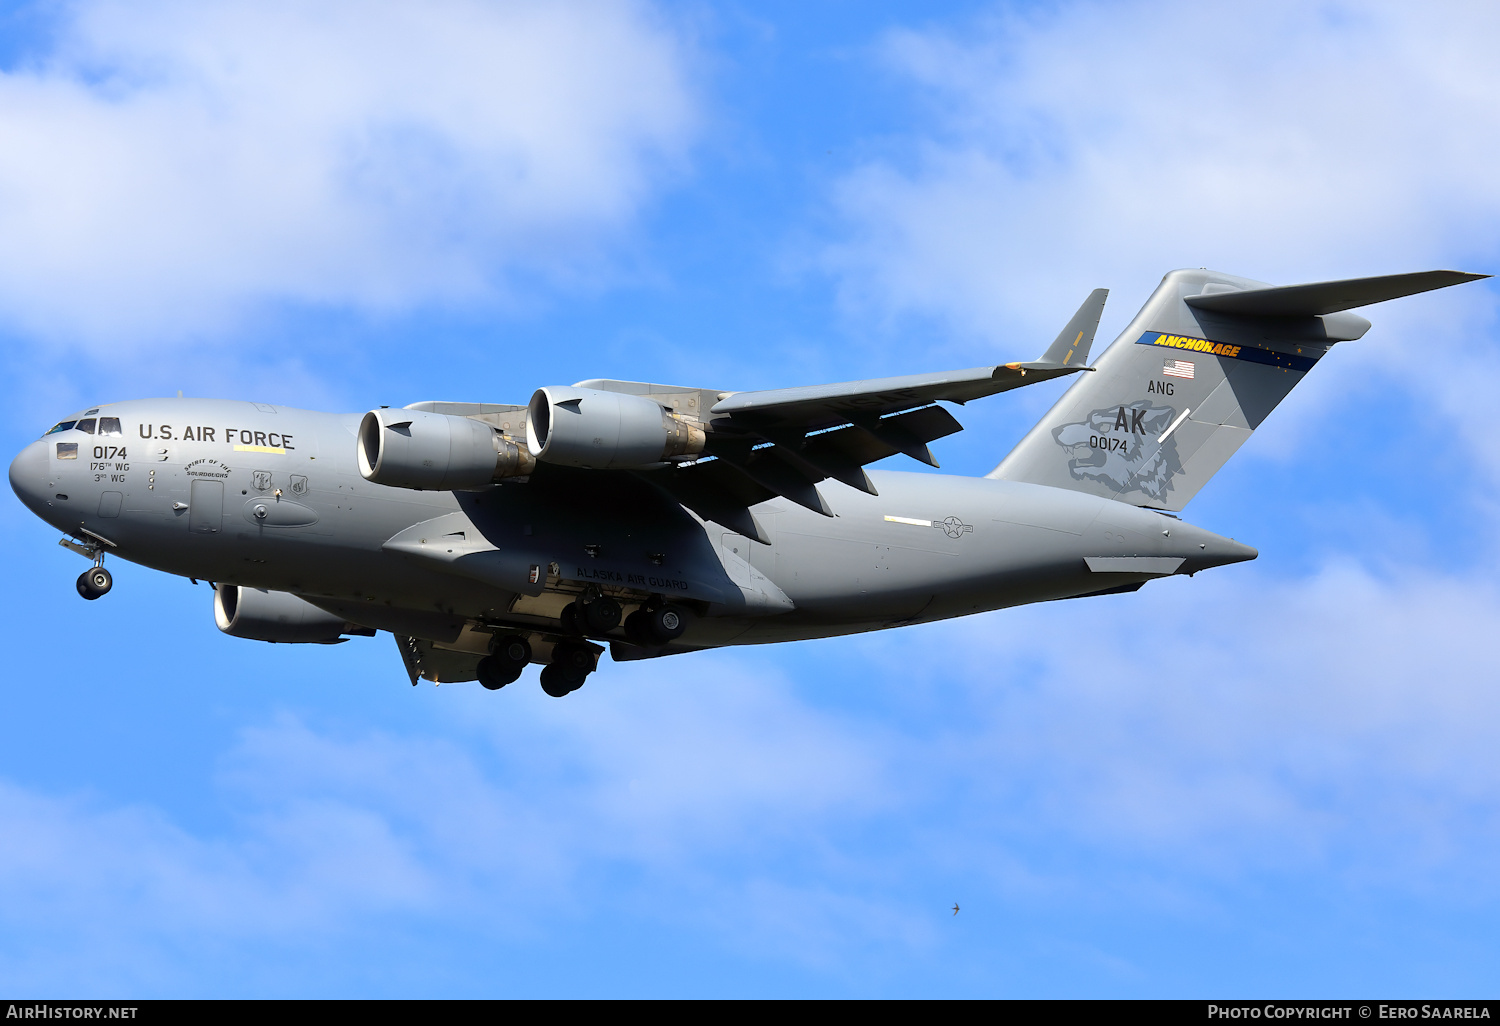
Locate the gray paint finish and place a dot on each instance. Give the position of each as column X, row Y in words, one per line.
column 270, row 501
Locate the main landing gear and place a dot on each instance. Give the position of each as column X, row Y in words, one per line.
column 573, row 659
column 572, row 662
column 94, row 582
column 595, row 615
column 656, row 625
column 508, row 657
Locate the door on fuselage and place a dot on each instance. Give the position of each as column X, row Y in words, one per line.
column 206, row 507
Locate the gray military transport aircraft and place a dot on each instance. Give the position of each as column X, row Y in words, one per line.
column 662, row 519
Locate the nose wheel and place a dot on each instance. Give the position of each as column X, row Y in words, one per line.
column 94, row 582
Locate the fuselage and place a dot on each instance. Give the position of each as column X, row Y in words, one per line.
column 270, row 497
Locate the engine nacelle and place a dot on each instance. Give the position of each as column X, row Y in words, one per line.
column 277, row 616
column 580, row 427
column 436, row 452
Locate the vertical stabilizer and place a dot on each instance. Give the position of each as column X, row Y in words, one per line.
column 1200, row 367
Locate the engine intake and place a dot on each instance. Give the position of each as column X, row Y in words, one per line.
column 277, row 616
column 581, row 427
column 436, row 452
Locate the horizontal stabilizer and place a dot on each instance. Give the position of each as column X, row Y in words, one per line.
column 1325, row 297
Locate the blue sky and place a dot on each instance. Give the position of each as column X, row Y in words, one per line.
column 1277, row 778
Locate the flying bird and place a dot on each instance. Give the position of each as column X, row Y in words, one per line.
column 955, row 908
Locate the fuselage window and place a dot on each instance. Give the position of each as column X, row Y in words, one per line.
column 64, row 426
column 109, row 426
column 86, row 425
column 67, row 450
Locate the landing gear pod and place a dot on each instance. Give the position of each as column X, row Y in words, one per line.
column 581, row 427
column 278, row 617
column 436, row 452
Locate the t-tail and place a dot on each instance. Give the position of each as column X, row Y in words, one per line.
column 1199, row 368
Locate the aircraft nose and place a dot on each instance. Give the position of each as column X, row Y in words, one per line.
column 28, row 476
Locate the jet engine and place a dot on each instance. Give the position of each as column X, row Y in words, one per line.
column 580, row 427
column 433, row 451
column 277, row 616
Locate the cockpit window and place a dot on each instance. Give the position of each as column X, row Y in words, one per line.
column 64, row 426
column 109, row 426
column 86, row 425
column 67, row 450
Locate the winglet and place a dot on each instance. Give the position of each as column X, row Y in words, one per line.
column 1071, row 348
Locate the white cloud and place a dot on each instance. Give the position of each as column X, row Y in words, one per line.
column 167, row 166
column 1146, row 752
column 1104, row 144
column 503, row 831
column 1232, row 724
column 1091, row 144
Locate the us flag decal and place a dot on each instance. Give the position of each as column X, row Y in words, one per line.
column 1177, row 368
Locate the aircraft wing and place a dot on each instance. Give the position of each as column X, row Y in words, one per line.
column 785, row 441
column 855, row 400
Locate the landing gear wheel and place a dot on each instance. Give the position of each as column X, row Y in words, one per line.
column 637, row 629
column 601, row 615
column 95, row 582
column 571, row 622
column 659, row 626
column 494, row 672
column 507, row 659
column 553, row 683
column 513, row 648
column 667, row 623
column 576, row 660
column 570, row 667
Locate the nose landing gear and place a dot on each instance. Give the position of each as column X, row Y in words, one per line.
column 94, row 582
